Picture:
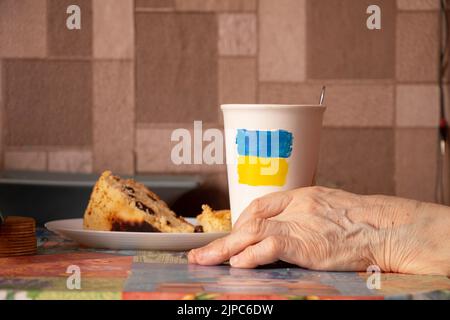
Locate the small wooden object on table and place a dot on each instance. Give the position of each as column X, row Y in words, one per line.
column 17, row 236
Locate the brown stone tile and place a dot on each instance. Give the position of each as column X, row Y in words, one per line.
column 417, row 46
column 418, row 4
column 357, row 160
column 237, row 34
column 153, row 148
column 154, row 151
column 282, row 40
column 347, row 105
column 417, row 106
column 113, row 29
column 340, row 46
column 215, row 5
column 48, row 103
column 26, row 160
column 65, row 42
column 360, row 106
column 155, row 3
column 237, row 80
column 23, row 28
column 114, row 117
column 73, row 161
column 415, row 163
column 289, row 93
column 176, row 56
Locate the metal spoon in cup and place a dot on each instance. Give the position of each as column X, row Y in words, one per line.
column 322, row 96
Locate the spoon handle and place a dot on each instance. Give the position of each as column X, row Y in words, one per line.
column 322, row 95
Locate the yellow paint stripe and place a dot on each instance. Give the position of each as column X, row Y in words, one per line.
column 258, row 171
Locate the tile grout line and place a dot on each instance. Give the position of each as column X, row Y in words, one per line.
column 47, row 41
column 154, row 10
column 258, row 51
column 93, row 88
column 135, row 123
column 394, row 116
column 395, row 127
column 306, row 45
column 218, row 63
column 68, row 59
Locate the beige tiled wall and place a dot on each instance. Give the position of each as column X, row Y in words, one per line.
column 62, row 42
column 109, row 96
column 114, row 116
column 23, row 28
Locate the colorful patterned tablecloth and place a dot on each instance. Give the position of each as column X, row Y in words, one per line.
column 109, row 274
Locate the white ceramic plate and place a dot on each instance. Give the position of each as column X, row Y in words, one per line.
column 73, row 229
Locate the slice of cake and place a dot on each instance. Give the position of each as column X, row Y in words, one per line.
column 214, row 221
column 126, row 205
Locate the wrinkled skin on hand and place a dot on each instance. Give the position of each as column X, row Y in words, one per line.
column 327, row 229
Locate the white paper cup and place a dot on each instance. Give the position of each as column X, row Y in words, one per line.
column 269, row 148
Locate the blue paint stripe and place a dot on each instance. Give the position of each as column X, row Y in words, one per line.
column 268, row 144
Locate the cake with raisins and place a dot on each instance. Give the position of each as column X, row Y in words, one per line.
column 214, row 220
column 125, row 205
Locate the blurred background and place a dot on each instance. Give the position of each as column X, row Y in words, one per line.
column 108, row 96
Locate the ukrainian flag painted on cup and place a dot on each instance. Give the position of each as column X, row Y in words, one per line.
column 263, row 156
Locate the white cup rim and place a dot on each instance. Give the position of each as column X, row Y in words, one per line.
column 244, row 106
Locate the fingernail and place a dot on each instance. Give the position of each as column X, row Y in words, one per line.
column 234, row 260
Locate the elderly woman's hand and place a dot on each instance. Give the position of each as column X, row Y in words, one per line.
column 327, row 229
